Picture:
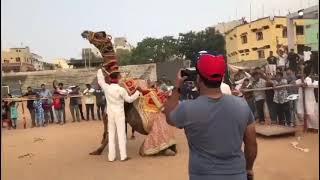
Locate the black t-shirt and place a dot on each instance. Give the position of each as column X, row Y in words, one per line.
column 272, row 60
column 30, row 102
column 293, row 59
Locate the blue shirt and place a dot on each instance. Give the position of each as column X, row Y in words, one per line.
column 214, row 129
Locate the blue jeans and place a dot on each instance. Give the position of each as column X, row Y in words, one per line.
column 74, row 109
column 59, row 114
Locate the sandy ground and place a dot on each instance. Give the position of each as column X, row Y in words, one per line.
column 62, row 154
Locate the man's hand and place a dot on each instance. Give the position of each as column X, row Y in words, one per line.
column 179, row 79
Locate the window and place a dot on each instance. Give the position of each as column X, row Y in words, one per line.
column 284, row 32
column 308, row 26
column 18, row 59
column 244, row 39
column 299, row 30
column 6, row 61
column 261, row 54
column 259, row 36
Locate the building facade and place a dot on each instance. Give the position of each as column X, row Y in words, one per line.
column 227, row 26
column 254, row 40
column 121, row 43
column 61, row 63
column 16, row 60
column 312, row 33
column 20, row 60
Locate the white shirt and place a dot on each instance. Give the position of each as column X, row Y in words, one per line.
column 282, row 60
column 115, row 95
column 306, row 55
column 225, row 88
column 89, row 96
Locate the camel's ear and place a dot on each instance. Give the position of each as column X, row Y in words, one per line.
column 103, row 33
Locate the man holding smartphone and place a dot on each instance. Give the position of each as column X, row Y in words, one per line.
column 216, row 125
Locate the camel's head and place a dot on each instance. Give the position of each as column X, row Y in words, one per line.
column 85, row 34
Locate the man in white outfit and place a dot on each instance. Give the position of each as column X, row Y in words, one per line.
column 116, row 96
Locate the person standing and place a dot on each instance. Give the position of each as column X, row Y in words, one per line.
column 269, row 100
column 291, row 79
column 259, row 95
column 37, row 104
column 310, row 100
column 293, row 59
column 89, row 101
column 100, row 102
column 62, row 93
column 13, row 114
column 57, row 105
column 30, row 107
column 272, row 64
column 47, row 103
column 80, row 104
column 282, row 59
column 212, row 157
column 307, row 59
column 115, row 97
column 5, row 114
column 282, row 103
column 248, row 96
column 74, row 108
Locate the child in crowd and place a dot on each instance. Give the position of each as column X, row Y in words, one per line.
column 57, row 105
column 39, row 111
column 5, row 114
column 13, row 114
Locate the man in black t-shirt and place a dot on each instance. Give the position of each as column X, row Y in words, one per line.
column 30, row 107
column 272, row 64
column 293, row 59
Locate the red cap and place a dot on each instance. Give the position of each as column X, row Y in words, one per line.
column 211, row 67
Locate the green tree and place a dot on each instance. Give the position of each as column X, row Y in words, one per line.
column 123, row 56
column 192, row 42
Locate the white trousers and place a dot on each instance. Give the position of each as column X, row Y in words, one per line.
column 116, row 123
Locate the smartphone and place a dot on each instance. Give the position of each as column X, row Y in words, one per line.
column 191, row 74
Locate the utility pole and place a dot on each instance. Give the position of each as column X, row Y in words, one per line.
column 84, row 58
column 250, row 11
column 89, row 51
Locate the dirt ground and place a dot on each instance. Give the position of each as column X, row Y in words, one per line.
column 62, row 153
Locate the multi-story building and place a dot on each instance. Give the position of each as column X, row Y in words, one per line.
column 62, row 63
column 311, row 27
column 121, row 43
column 17, row 59
column 37, row 62
column 224, row 27
column 254, row 40
column 20, row 59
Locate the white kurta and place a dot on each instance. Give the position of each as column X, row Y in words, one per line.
column 116, row 96
column 310, row 99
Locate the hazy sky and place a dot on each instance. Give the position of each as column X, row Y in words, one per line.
column 51, row 28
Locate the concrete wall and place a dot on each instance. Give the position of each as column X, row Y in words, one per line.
column 169, row 69
column 71, row 77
